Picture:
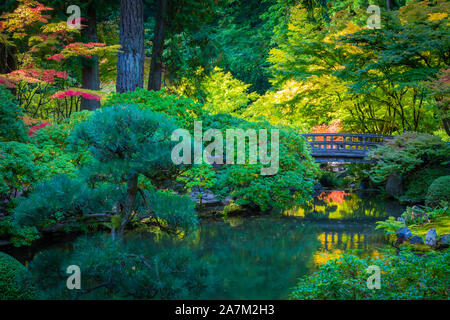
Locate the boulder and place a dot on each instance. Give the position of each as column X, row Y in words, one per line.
column 318, row 186
column 403, row 234
column 444, row 241
column 363, row 185
column 431, row 237
column 416, row 240
column 394, row 185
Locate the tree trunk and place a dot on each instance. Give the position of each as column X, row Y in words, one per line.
column 156, row 65
column 8, row 61
column 446, row 123
column 90, row 73
column 130, row 64
column 132, row 189
column 388, row 4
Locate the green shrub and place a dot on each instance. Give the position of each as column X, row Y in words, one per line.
column 17, row 235
column 438, row 192
column 417, row 183
column 53, row 153
column 198, row 177
column 11, row 288
column 407, row 152
column 22, row 164
column 12, row 126
column 180, row 109
column 17, row 168
column 403, row 277
column 225, row 94
column 292, row 184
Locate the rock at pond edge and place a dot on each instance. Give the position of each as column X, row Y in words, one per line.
column 403, row 234
column 431, row 237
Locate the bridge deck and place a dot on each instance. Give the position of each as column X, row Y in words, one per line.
column 343, row 147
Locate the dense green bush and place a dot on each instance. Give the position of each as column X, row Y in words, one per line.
column 12, row 286
column 53, row 154
column 12, row 127
column 16, row 234
column 23, row 164
column 408, row 152
column 180, row 109
column 417, row 183
column 17, row 168
column 406, row 276
column 198, row 178
column 292, row 184
column 438, row 192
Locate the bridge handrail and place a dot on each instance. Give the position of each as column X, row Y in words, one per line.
column 360, row 135
column 346, row 143
column 342, row 147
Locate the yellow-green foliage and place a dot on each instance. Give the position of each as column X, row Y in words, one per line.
column 225, row 93
column 441, row 224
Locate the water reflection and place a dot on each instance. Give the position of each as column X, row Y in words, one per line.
column 253, row 258
column 347, row 222
column 345, row 205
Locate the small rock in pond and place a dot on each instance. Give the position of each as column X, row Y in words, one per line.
column 431, row 236
column 416, row 240
column 401, row 220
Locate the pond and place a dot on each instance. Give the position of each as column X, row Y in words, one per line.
column 262, row 257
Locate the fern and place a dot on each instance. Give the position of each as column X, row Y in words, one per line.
column 390, row 225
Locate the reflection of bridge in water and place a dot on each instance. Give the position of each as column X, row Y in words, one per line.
column 348, row 240
column 334, row 243
column 343, row 147
column 349, row 235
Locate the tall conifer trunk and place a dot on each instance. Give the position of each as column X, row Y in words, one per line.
column 388, row 4
column 156, row 65
column 130, row 64
column 90, row 72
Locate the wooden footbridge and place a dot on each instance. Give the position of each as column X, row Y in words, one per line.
column 343, row 147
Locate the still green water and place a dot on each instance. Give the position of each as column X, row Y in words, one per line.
column 263, row 257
